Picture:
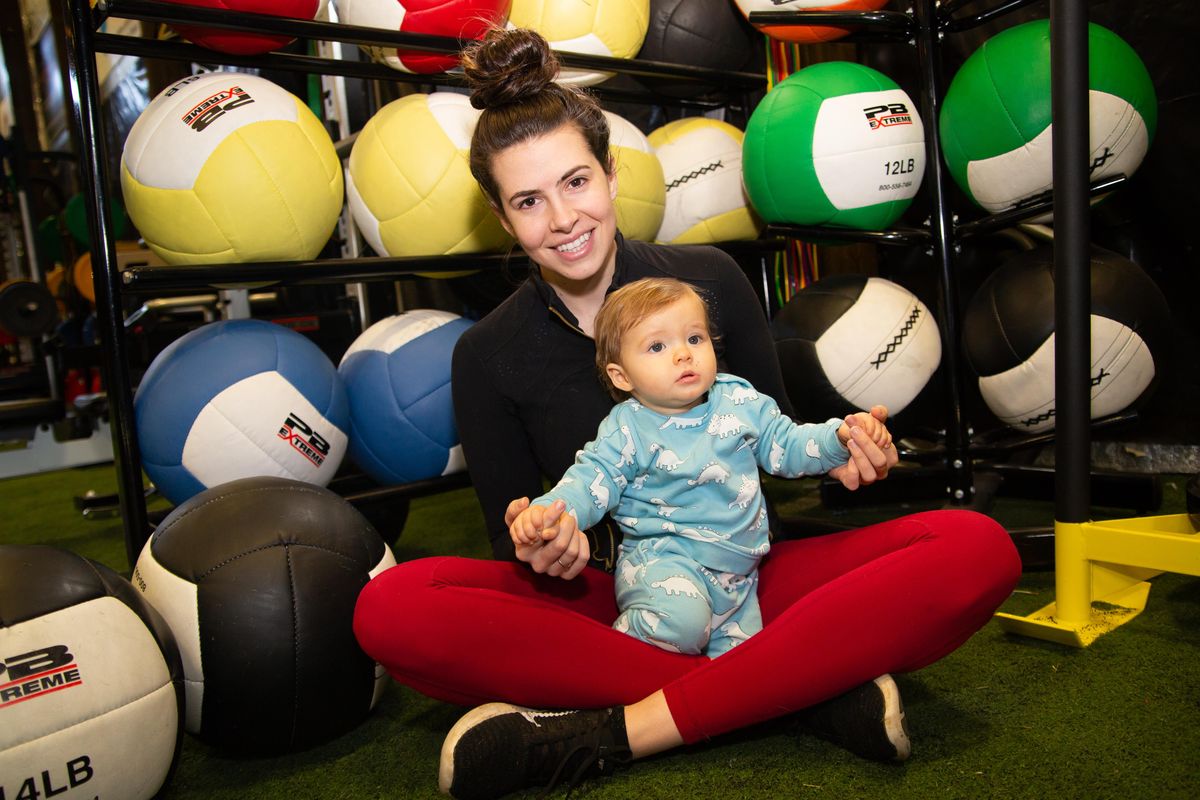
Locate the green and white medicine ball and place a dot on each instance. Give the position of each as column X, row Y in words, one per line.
column 996, row 117
column 836, row 143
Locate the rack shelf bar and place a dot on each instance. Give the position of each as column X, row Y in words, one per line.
column 356, row 34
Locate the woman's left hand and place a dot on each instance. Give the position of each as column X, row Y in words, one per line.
column 868, row 461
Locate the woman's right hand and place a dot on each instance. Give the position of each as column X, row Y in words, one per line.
column 564, row 554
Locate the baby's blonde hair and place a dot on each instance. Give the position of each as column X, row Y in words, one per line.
column 625, row 308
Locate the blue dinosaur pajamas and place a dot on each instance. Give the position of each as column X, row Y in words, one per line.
column 685, row 491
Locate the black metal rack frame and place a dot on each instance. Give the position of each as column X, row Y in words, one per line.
column 927, row 24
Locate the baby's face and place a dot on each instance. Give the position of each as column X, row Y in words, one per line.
column 667, row 359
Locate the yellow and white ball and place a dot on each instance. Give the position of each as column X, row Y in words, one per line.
column 613, row 28
column 702, row 165
column 409, row 183
column 641, row 191
column 229, row 167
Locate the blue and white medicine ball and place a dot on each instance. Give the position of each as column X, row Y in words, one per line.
column 240, row 399
column 397, row 376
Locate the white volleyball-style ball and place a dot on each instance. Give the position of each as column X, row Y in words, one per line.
column 1008, row 336
column 641, row 192
column 613, row 28
column 848, row 342
column 240, row 398
column 91, row 684
column 702, row 166
column 228, row 167
column 409, row 183
column 397, row 377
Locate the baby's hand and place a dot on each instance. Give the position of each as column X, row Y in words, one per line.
column 529, row 528
column 875, row 430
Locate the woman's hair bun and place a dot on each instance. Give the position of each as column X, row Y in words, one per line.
column 508, row 66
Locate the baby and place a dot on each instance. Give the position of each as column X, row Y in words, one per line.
column 677, row 463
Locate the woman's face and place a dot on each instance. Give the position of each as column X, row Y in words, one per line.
column 556, row 200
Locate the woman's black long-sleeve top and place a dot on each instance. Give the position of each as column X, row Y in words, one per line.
column 527, row 394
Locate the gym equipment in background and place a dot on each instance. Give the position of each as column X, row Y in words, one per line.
column 807, row 34
column 229, row 167
column 835, row 143
column 848, row 342
column 995, row 119
column 397, row 378
column 641, row 192
column 242, row 42
column 460, row 19
column 409, row 183
column 92, row 681
column 709, row 34
column 614, row 28
column 702, row 165
column 1008, row 337
column 258, row 579
column 240, row 398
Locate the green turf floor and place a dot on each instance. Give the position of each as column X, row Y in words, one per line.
column 1001, row 717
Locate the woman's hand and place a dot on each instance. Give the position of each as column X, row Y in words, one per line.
column 563, row 551
column 868, row 461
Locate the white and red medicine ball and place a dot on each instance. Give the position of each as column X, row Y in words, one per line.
column 1008, row 336
column 258, row 579
column 397, row 376
column 459, row 19
column 235, row 399
column 91, row 685
column 848, row 342
column 243, row 42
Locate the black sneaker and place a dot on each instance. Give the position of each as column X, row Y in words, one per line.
column 868, row 721
column 499, row 748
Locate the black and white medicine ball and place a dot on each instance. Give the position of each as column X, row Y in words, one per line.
column 709, row 34
column 1008, row 336
column 848, row 342
column 258, row 579
column 91, row 687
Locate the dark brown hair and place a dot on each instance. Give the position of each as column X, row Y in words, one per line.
column 628, row 306
column 511, row 75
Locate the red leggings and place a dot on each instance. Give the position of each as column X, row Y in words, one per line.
column 838, row 610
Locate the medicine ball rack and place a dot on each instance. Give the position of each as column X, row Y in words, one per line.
column 732, row 90
column 84, row 40
column 960, row 453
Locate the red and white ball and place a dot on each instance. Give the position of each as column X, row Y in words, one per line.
column 460, row 19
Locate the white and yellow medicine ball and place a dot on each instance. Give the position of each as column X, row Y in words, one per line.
column 409, row 182
column 229, row 167
column 702, row 165
column 614, row 28
column 641, row 191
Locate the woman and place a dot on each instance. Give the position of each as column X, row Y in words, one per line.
column 840, row 612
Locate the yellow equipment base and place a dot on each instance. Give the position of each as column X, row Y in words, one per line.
column 1101, row 573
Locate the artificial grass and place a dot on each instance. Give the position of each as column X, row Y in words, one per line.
column 1001, row 717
